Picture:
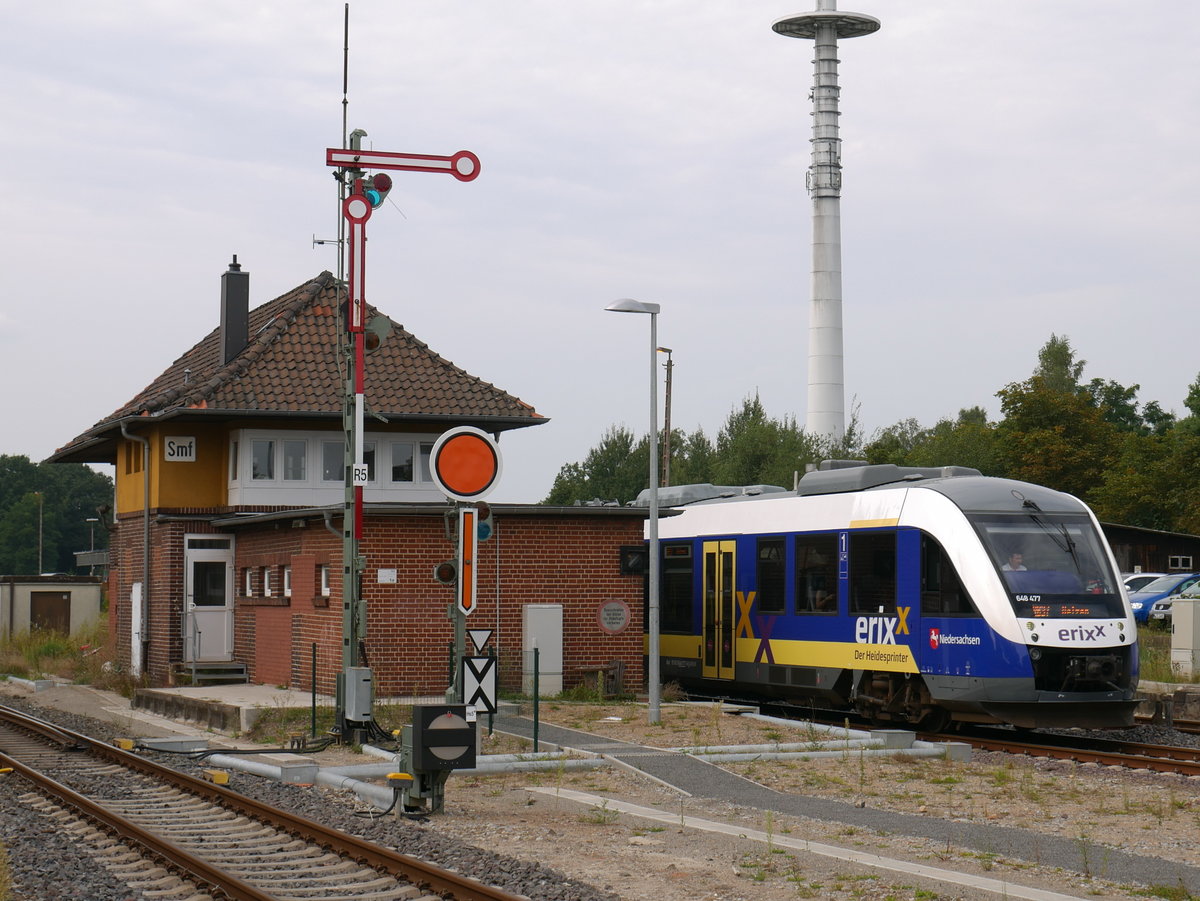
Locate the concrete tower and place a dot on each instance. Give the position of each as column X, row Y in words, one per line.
column 826, row 381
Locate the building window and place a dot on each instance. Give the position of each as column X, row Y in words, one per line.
column 1179, row 562
column 402, row 461
column 369, row 459
column 426, row 453
column 333, row 462
column 262, row 459
column 324, row 580
column 295, row 460
column 266, row 581
column 233, row 461
column 133, row 457
column 248, row 582
column 772, row 564
column 287, row 581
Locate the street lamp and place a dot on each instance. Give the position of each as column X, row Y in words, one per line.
column 654, row 689
column 41, row 508
column 91, row 521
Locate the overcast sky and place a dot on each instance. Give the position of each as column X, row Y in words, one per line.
column 1012, row 169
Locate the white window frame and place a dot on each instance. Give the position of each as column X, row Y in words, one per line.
column 324, row 570
column 266, row 581
column 314, row 489
column 272, row 462
column 287, row 581
column 248, row 581
column 283, row 460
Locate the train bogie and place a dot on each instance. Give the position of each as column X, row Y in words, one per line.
column 917, row 596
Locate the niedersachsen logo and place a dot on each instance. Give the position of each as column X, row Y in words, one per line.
column 937, row 639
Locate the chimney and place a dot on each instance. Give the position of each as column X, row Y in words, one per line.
column 235, row 311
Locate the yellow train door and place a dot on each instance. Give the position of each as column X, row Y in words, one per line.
column 720, row 609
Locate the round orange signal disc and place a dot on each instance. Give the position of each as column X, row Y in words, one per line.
column 465, row 463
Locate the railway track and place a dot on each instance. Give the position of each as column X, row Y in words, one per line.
column 1109, row 752
column 1083, row 749
column 190, row 839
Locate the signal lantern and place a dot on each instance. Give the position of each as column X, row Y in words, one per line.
column 483, row 527
column 376, row 189
column 446, row 573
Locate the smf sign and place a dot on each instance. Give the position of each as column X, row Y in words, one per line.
column 179, row 450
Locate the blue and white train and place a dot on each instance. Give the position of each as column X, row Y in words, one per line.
column 922, row 596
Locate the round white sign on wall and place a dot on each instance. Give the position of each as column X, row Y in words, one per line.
column 613, row 617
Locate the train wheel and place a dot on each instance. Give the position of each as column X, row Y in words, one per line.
column 934, row 720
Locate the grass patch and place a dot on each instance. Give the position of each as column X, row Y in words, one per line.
column 82, row 657
column 1154, row 651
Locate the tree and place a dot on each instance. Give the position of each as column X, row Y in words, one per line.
column 969, row 440
column 69, row 495
column 754, row 449
column 692, row 458
column 1054, row 438
column 1057, row 366
column 895, row 443
column 616, row 469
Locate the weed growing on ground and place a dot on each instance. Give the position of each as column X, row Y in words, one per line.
column 601, row 815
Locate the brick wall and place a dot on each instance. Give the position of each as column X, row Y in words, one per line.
column 548, row 556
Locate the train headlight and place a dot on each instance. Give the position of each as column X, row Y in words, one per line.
column 1035, row 654
column 1033, row 637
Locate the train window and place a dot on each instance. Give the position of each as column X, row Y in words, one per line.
column 676, row 596
column 771, row 575
column 942, row 593
column 816, row 573
column 872, row 572
column 1053, row 564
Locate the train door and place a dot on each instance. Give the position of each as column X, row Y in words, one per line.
column 720, row 609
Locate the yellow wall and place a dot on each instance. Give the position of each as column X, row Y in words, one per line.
column 203, row 483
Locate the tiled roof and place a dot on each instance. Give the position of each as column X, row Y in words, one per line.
column 291, row 365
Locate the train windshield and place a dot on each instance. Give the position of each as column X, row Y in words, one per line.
column 1053, row 564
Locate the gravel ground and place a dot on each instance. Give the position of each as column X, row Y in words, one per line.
column 551, row 848
column 47, row 866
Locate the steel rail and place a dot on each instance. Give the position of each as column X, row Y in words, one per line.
column 430, row 876
column 1131, row 758
column 187, row 862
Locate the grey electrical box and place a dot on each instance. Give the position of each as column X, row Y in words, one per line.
column 359, row 699
column 1185, row 635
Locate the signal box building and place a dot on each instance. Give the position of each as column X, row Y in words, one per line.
column 226, row 552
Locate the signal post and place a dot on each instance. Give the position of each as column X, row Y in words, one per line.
column 362, row 194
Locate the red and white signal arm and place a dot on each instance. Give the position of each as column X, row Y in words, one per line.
column 465, row 463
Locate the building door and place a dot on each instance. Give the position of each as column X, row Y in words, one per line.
column 50, row 611
column 719, row 610
column 208, row 599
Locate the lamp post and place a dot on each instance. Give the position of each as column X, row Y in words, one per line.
column 41, row 508
column 652, row 627
column 91, row 521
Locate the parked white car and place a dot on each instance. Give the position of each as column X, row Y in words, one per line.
column 1134, row 581
column 1161, row 610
